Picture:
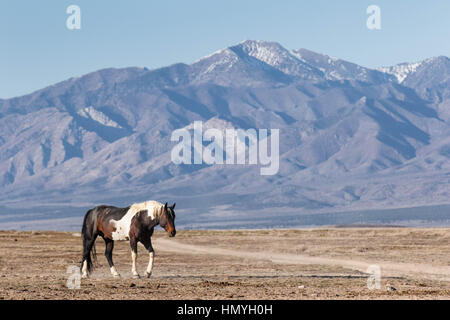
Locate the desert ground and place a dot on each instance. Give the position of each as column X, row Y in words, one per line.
column 324, row 263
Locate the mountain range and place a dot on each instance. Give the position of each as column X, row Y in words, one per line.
column 352, row 139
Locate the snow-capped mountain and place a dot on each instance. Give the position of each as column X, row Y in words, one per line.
column 278, row 57
column 430, row 77
column 337, row 69
column 401, row 70
column 351, row 138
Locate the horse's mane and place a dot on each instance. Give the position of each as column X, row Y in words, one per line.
column 154, row 208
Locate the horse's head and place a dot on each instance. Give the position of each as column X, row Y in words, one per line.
column 167, row 220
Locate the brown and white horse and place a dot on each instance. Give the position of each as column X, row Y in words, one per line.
column 134, row 223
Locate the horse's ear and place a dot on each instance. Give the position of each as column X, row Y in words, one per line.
column 173, row 206
column 165, row 206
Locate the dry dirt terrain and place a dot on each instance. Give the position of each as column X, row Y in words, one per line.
column 328, row 263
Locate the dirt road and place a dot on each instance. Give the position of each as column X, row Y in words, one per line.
column 261, row 264
column 389, row 268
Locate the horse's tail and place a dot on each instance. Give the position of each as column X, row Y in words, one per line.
column 89, row 234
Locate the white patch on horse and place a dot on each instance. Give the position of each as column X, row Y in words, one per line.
column 133, row 265
column 114, row 271
column 123, row 225
column 148, row 272
column 85, row 269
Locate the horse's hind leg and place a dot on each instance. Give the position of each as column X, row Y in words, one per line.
column 88, row 234
column 86, row 265
column 108, row 253
column 133, row 245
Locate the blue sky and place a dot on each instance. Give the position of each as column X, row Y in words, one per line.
column 38, row 50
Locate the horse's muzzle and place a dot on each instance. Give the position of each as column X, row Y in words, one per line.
column 173, row 233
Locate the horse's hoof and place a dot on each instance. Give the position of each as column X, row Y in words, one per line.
column 84, row 276
column 136, row 276
column 148, row 275
column 116, row 275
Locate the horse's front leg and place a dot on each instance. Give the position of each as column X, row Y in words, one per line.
column 148, row 245
column 133, row 244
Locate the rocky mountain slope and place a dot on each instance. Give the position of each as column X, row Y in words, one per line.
column 350, row 137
